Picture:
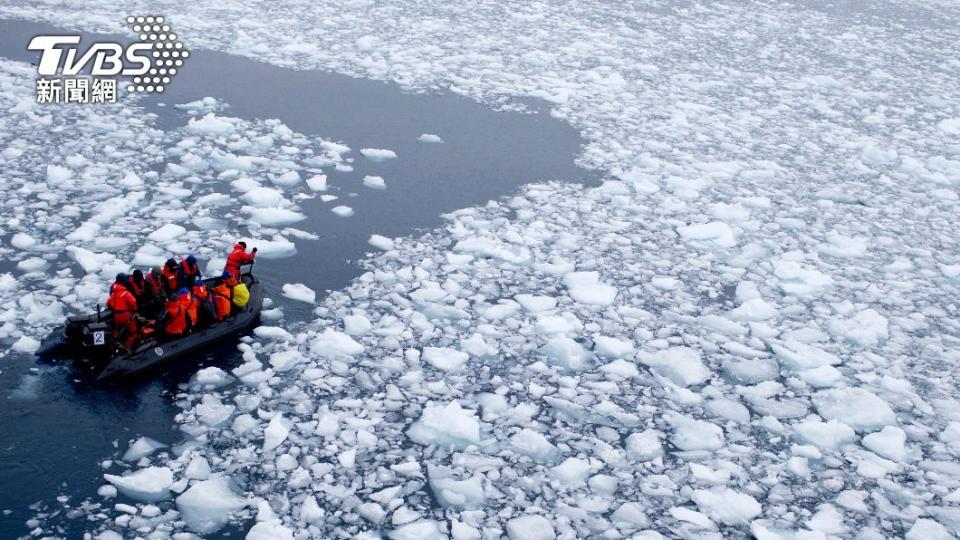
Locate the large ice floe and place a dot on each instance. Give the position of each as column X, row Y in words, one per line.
column 750, row 328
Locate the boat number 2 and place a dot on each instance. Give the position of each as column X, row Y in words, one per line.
column 158, row 351
column 99, row 338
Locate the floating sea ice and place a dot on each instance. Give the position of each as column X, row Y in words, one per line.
column 166, row 233
column 690, row 434
column 342, row 211
column 375, row 182
column 277, row 248
column 263, row 197
column 273, row 217
column 207, row 505
column 378, row 154
column 429, row 138
column 682, row 365
column 889, row 442
column 645, row 445
column 273, row 529
column 92, row 262
column 612, row 347
column 33, row 264
column 530, row 527
column 57, row 175
column 843, row 246
column 337, row 345
column 856, row 407
column 799, row 280
column 727, row 506
column 212, row 376
column 356, row 325
column 22, row 241
column 299, row 292
column 145, row 485
column 210, row 124
column 445, row 359
column 566, row 353
column 424, row 529
column 534, row 445
column 317, row 182
column 26, row 344
column 276, row 432
column 867, row 328
column 380, row 242
column 928, row 529
column 585, row 287
column 287, row 179
column 446, row 425
column 328, row 198
column 713, row 234
column 828, row 436
column 451, row 492
column 752, row 311
column 142, row 447
column 536, row 304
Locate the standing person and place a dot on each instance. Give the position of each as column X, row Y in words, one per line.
column 171, row 276
column 222, row 296
column 239, row 257
column 189, row 270
column 124, row 307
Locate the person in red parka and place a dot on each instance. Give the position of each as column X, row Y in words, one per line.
column 189, row 270
column 239, row 257
column 124, row 307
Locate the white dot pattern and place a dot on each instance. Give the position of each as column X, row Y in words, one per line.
column 168, row 52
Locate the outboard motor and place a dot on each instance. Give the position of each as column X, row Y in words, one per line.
column 91, row 334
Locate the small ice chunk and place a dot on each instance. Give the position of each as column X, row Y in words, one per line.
column 536, row 304
column 867, row 328
column 586, row 288
column 534, row 445
column 167, row 233
column 682, row 365
column 375, row 182
column 727, row 506
column 356, row 325
column 889, row 442
column 57, row 175
column 446, row 425
column 276, row 432
column 146, row 485
column 378, row 154
column 691, row 434
column 566, row 353
column 26, row 344
column 928, row 529
column 299, row 292
column 207, row 505
column 856, row 407
column 530, row 527
column 612, row 347
column 333, row 344
column 713, row 234
column 380, row 242
column 212, row 376
column 828, row 436
column 342, row 211
column 445, row 358
column 142, row 447
column 645, row 445
column 273, row 529
column 429, row 138
column 424, row 529
column 317, row 182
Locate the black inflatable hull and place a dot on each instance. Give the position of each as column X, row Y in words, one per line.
column 154, row 353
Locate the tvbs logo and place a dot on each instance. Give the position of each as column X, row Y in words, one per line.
column 149, row 64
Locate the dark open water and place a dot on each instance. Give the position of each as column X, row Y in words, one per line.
column 56, row 427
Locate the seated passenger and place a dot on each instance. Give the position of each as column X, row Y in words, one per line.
column 173, row 322
column 201, row 297
column 153, row 294
column 239, row 257
column 222, row 296
column 124, row 307
column 171, row 276
column 189, row 270
column 189, row 307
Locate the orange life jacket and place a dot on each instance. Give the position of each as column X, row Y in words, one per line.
column 221, row 301
column 188, row 273
column 175, row 317
column 154, row 284
column 171, row 279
